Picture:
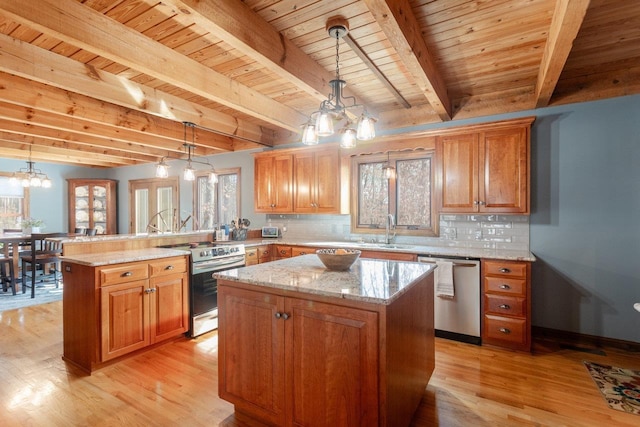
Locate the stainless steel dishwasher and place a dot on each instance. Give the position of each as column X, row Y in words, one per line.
column 458, row 318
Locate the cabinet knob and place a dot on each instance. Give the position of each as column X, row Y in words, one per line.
column 504, row 306
column 505, row 330
column 505, row 270
column 285, row 316
column 127, row 274
column 169, row 267
column 505, row 286
column 283, row 251
column 475, row 202
column 482, row 203
column 278, row 315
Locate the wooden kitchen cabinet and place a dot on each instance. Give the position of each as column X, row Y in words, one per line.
column 282, row 251
column 395, row 256
column 273, row 192
column 316, row 181
column 507, row 304
column 302, row 250
column 92, row 204
column 250, row 256
column 114, row 310
column 485, row 169
column 300, row 351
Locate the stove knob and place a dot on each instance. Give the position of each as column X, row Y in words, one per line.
column 204, row 253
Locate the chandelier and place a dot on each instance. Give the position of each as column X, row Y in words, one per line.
column 189, row 173
column 336, row 107
column 30, row 176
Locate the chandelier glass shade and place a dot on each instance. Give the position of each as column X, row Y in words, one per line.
column 30, row 176
column 388, row 171
column 337, row 108
column 189, row 172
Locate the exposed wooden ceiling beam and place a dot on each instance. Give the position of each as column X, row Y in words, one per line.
column 398, row 22
column 567, row 20
column 264, row 44
column 34, row 63
column 79, row 25
column 11, row 150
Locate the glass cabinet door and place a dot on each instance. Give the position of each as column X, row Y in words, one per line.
column 100, row 213
column 82, row 210
column 92, row 205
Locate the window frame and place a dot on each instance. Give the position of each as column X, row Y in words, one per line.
column 26, row 201
column 196, row 195
column 393, row 157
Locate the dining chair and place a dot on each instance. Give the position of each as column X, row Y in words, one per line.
column 7, row 274
column 91, row 231
column 44, row 252
column 80, row 230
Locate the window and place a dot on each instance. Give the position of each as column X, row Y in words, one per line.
column 408, row 195
column 14, row 203
column 217, row 203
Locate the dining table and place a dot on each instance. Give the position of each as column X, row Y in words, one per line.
column 11, row 243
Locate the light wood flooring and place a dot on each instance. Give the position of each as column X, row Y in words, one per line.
column 176, row 384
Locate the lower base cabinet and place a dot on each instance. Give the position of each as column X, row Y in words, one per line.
column 292, row 361
column 111, row 311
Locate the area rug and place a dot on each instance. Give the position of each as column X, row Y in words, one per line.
column 619, row 387
column 45, row 292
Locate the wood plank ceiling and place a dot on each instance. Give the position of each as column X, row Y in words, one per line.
column 107, row 83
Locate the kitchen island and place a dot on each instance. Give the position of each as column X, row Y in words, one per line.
column 302, row 345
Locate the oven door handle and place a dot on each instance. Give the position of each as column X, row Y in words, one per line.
column 216, row 266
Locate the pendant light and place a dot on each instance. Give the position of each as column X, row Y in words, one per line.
column 30, row 177
column 335, row 107
column 389, row 171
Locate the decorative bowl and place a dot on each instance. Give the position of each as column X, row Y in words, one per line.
column 338, row 259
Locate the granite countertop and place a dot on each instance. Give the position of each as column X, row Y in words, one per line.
column 421, row 250
column 370, row 280
column 120, row 257
column 107, row 237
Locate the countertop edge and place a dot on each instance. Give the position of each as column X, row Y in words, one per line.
column 122, row 257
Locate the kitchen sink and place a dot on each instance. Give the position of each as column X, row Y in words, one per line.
column 362, row 245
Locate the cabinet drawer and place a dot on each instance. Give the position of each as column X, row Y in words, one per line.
column 516, row 287
column 505, row 269
column 168, row 266
column 123, row 273
column 251, row 256
column 264, row 253
column 505, row 329
column 499, row 304
column 302, row 251
column 283, row 251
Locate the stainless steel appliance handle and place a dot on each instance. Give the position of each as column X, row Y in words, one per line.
column 455, row 263
column 214, row 265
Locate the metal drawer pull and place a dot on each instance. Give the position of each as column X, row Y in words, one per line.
column 127, row 274
column 169, row 267
column 505, row 286
column 505, row 270
column 505, row 330
column 504, row 306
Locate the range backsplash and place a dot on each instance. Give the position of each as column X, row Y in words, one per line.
column 506, row 232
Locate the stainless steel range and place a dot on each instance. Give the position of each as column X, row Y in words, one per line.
column 207, row 259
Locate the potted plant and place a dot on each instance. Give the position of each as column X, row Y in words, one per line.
column 31, row 225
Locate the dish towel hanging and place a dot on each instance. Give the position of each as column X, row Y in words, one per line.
column 444, row 279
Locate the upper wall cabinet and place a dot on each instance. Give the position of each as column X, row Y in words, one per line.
column 303, row 181
column 273, row 192
column 92, row 204
column 316, row 181
column 485, row 169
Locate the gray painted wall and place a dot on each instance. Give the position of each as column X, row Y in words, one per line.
column 584, row 225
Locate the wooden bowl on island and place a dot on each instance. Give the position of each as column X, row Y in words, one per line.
column 338, row 259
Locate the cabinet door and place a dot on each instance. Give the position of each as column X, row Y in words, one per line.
column 304, row 182
column 92, row 204
column 332, row 360
column 273, row 183
column 251, row 359
column 169, row 308
column 504, row 175
column 124, row 317
column 458, row 158
column 327, row 171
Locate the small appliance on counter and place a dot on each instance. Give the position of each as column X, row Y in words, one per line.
column 270, row 231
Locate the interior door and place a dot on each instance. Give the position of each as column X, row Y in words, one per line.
column 153, row 205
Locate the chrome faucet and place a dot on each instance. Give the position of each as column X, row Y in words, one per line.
column 390, row 225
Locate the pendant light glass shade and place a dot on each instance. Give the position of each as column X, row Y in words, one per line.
column 189, row 173
column 348, row 138
column 309, row 135
column 30, row 176
column 388, row 171
column 162, row 170
column 324, row 124
column 213, row 177
column 366, row 129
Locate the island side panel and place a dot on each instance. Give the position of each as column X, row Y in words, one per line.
column 79, row 314
column 409, row 350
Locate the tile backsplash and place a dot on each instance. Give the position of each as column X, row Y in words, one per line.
column 505, row 232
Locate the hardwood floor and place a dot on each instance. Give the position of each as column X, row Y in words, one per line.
column 176, row 384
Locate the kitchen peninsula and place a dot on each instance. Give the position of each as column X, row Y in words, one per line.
column 302, row 345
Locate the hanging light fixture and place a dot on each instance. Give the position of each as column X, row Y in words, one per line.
column 388, row 171
column 189, row 173
column 30, row 176
column 334, row 108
